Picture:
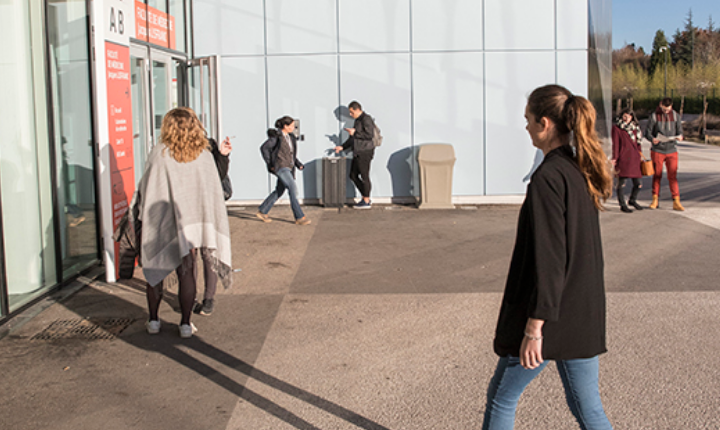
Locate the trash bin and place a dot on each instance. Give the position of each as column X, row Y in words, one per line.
column 436, row 171
column 334, row 181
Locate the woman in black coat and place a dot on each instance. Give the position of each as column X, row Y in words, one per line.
column 554, row 302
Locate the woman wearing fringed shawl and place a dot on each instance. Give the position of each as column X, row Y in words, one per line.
column 626, row 152
column 182, row 210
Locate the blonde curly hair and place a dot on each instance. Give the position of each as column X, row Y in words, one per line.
column 183, row 134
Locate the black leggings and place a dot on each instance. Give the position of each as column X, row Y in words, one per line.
column 360, row 171
column 187, row 273
column 620, row 189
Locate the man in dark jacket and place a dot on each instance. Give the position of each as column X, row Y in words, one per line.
column 664, row 129
column 361, row 144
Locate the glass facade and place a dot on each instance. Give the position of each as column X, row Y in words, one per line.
column 47, row 177
column 600, row 62
column 28, row 222
column 72, row 133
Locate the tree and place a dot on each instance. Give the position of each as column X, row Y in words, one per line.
column 657, row 58
column 679, row 79
column 683, row 45
column 628, row 80
column 703, row 78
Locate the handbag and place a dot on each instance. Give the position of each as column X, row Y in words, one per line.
column 227, row 187
column 646, row 166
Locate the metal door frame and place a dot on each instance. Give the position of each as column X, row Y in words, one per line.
column 139, row 51
column 214, row 122
column 149, row 54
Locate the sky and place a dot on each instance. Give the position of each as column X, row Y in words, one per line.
column 637, row 21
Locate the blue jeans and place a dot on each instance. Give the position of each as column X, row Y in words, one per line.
column 285, row 181
column 579, row 378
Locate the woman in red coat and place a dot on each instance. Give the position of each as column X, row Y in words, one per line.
column 626, row 152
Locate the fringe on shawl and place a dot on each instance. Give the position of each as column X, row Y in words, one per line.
column 223, row 272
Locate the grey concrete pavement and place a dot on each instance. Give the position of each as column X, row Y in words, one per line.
column 384, row 319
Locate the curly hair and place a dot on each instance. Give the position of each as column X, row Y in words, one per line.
column 183, row 134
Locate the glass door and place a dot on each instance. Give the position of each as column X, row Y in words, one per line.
column 155, row 90
column 69, row 73
column 139, row 89
column 203, row 95
column 164, row 89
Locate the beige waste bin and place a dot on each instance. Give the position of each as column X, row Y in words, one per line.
column 436, row 171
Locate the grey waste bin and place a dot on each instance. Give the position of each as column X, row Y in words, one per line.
column 334, row 180
column 436, row 171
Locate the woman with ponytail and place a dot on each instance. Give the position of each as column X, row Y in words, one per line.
column 554, row 302
column 280, row 155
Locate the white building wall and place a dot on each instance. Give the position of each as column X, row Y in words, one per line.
column 429, row 71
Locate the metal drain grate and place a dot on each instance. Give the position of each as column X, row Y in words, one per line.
column 84, row 329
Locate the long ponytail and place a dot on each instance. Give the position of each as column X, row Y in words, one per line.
column 576, row 114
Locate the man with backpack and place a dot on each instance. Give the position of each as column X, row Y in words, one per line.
column 363, row 138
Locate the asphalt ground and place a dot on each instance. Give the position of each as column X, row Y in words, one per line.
column 381, row 319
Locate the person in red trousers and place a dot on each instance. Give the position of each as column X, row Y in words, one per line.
column 664, row 129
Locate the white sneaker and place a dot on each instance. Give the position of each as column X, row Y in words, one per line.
column 187, row 330
column 153, row 327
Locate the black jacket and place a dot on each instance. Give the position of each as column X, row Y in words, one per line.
column 556, row 272
column 270, row 148
column 221, row 161
column 362, row 139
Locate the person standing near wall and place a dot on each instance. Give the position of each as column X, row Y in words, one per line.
column 280, row 155
column 554, row 302
column 664, row 123
column 360, row 142
column 626, row 150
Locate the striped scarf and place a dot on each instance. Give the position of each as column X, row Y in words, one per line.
column 663, row 117
column 631, row 128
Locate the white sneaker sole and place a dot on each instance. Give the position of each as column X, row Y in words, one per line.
column 185, row 333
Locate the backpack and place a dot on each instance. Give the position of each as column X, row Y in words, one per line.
column 377, row 136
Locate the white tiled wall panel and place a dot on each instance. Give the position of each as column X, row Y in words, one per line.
column 381, row 83
column 429, row 71
column 374, row 25
column 301, row 26
column 572, row 24
column 511, row 77
column 519, row 24
column 447, row 25
column 229, row 27
column 243, row 110
column 572, row 71
column 306, row 88
column 448, row 108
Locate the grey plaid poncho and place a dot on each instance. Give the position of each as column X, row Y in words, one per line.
column 181, row 207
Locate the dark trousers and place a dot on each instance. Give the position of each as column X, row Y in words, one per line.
column 620, row 190
column 360, row 171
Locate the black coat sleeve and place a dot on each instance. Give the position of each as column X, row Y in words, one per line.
column 222, row 162
column 364, row 129
column 547, row 192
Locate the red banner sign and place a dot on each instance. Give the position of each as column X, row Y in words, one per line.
column 154, row 26
column 122, row 170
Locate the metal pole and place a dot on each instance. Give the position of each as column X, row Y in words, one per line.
column 665, row 91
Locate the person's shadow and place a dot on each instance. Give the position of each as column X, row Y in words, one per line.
column 185, row 351
column 405, row 174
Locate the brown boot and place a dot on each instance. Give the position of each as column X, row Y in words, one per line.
column 655, row 202
column 676, row 204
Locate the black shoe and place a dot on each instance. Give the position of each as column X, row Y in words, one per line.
column 635, row 204
column 626, row 209
column 207, row 306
